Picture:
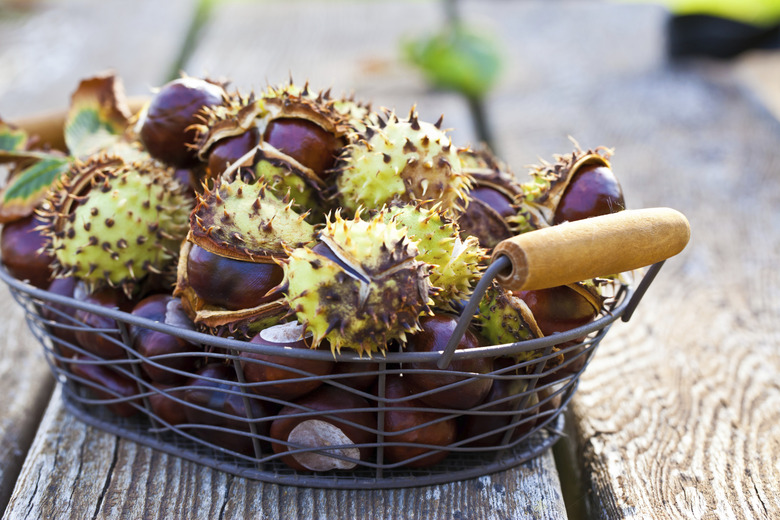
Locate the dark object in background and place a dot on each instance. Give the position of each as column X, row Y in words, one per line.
column 717, row 37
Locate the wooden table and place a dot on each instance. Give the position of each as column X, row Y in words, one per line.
column 677, row 416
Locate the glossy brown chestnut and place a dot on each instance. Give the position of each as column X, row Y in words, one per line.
column 62, row 314
column 359, row 376
column 593, row 191
column 501, row 392
column 558, row 309
column 231, row 284
column 150, row 343
column 418, row 426
column 224, row 397
column 98, row 342
column 165, row 131
column 282, row 370
column 227, row 151
column 325, row 430
column 304, row 141
column 107, row 384
column 20, row 243
column 165, row 407
column 436, row 331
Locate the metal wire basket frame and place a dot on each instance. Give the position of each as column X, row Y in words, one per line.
column 534, row 416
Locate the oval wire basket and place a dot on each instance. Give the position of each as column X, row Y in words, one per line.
column 533, row 417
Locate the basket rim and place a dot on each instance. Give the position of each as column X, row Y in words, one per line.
column 621, row 301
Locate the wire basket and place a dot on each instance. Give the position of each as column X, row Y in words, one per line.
column 227, row 425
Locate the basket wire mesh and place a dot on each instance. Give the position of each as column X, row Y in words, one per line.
column 240, row 443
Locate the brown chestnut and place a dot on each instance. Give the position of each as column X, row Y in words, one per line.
column 558, row 309
column 328, row 429
column 223, row 396
column 280, row 370
column 231, row 284
column 416, row 426
column 166, row 128
column 593, row 191
column 165, row 407
column 21, row 243
column 163, row 308
column 473, row 425
column 63, row 316
column 107, row 384
column 227, row 151
column 435, row 333
column 107, row 345
column 357, row 375
column 305, row 141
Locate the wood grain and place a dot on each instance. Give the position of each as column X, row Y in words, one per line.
column 76, row 471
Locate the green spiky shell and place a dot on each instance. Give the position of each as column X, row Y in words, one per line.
column 407, row 160
column 455, row 263
column 114, row 222
column 247, row 222
column 371, row 290
column 542, row 193
column 504, row 318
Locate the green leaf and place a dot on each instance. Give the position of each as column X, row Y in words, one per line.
column 12, row 139
column 87, row 133
column 457, row 59
column 29, row 187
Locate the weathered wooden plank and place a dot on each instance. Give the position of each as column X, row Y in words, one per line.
column 76, row 471
column 44, row 51
column 677, row 414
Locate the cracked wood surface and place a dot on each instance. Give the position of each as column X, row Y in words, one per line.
column 76, row 471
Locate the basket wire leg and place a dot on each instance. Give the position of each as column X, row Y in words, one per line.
column 247, row 407
column 380, row 420
column 523, row 403
column 126, row 339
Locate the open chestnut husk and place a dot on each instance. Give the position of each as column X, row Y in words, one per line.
column 213, row 390
column 433, row 337
column 21, row 242
column 287, row 377
column 408, row 421
column 345, row 422
column 107, row 384
column 163, row 308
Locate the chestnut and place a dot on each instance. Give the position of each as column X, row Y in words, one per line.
column 357, row 375
column 62, row 314
column 99, row 343
column 288, row 383
column 107, row 384
column 232, row 284
column 227, row 151
column 223, row 396
column 328, row 429
column 166, row 408
column 435, row 333
column 593, row 191
column 21, row 242
column 167, row 126
column 558, row 309
column 486, row 216
column 305, row 141
column 473, row 425
column 148, row 343
column 408, row 421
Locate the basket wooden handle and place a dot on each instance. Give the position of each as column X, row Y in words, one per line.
column 593, row 247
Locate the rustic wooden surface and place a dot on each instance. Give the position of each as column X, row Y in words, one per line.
column 44, row 52
column 677, row 416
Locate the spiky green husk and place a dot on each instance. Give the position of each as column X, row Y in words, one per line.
column 407, row 160
column 129, row 223
column 247, row 221
column 456, row 263
column 543, row 191
column 504, row 318
column 361, row 288
column 237, row 114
